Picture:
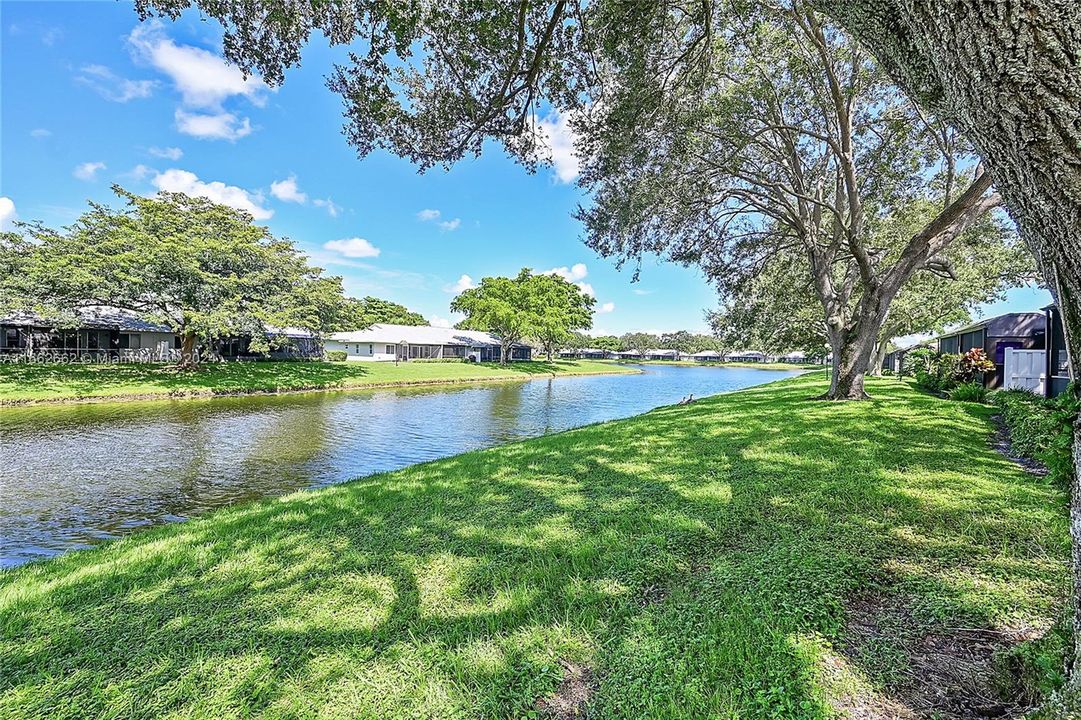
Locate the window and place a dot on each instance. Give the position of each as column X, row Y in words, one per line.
column 949, row 345
column 130, row 341
column 91, row 339
column 971, row 340
column 1059, row 365
column 390, row 349
column 371, row 351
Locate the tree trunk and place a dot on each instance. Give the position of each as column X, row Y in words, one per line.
column 502, row 354
column 187, row 350
column 878, row 357
column 1008, row 74
column 852, row 349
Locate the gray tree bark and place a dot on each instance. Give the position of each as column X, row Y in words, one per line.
column 1008, row 74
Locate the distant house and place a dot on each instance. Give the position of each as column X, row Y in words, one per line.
column 662, row 354
column 100, row 333
column 626, row 355
column 894, row 361
column 585, row 353
column 1023, row 331
column 746, row 356
column 388, row 343
column 706, row 356
column 796, row 357
column 286, row 344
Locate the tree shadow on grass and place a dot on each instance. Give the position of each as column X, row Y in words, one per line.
column 700, row 559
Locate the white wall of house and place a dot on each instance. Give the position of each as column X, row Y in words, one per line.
column 364, row 351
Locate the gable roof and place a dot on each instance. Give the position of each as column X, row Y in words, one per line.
column 1019, row 324
column 417, row 335
column 93, row 316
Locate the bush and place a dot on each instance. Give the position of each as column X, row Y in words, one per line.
column 337, row 355
column 969, row 392
column 973, row 364
column 1042, row 429
column 940, row 372
column 440, row 360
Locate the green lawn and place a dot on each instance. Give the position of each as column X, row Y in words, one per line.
column 753, row 555
column 55, row 382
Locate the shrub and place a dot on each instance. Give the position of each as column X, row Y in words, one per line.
column 941, row 372
column 1042, row 429
column 337, row 355
column 973, row 364
column 972, row 391
column 440, row 360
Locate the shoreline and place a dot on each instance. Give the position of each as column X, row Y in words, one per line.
column 210, row 393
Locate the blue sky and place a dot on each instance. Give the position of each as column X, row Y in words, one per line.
column 91, row 97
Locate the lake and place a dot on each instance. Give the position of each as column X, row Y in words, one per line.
column 74, row 475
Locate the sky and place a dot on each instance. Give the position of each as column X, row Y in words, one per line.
column 91, row 97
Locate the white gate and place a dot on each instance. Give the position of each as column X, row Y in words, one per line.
column 1025, row 369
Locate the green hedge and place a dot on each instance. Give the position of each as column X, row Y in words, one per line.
column 439, row 360
column 1042, row 429
column 337, row 355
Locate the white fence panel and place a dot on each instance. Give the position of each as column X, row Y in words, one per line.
column 1025, row 369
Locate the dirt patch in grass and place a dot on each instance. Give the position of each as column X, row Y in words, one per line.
column 571, row 698
column 1001, row 442
column 944, row 673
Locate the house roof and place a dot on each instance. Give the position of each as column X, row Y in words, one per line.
column 706, row 353
column 661, row 351
column 417, row 335
column 747, row 353
column 1020, row 324
column 93, row 316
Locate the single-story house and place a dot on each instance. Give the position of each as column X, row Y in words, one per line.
column 662, row 354
column 384, row 342
column 585, row 353
column 101, row 333
column 1022, row 330
column 286, row 344
column 796, row 356
column 746, row 356
column 626, row 355
column 894, row 360
column 706, row 356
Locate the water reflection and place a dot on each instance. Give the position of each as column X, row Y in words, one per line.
column 74, row 475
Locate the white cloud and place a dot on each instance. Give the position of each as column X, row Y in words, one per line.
column 640, row 291
column 570, row 274
column 353, row 247
column 464, row 283
column 38, row 133
column 169, row 153
column 214, row 126
column 605, row 308
column 450, row 225
column 287, row 190
column 333, row 209
column 586, row 288
column 88, row 170
column 111, row 86
column 556, row 138
column 141, row 172
column 182, row 181
column 203, row 79
column 440, row 322
column 428, row 214
column 7, row 212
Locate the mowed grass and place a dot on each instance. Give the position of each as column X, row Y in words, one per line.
column 701, row 560
column 35, row 382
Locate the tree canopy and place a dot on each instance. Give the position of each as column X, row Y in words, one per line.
column 372, row 310
column 205, row 270
column 545, row 307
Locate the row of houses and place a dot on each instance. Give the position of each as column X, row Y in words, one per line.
column 655, row 354
column 102, row 334
column 1027, row 348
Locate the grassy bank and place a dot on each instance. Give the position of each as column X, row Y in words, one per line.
column 58, row 383
column 754, row 555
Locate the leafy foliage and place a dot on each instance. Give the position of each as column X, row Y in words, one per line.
column 205, row 270
column 337, row 355
column 1042, row 429
column 970, row 391
column 545, row 307
column 372, row 310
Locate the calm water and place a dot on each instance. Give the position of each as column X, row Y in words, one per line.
column 77, row 474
